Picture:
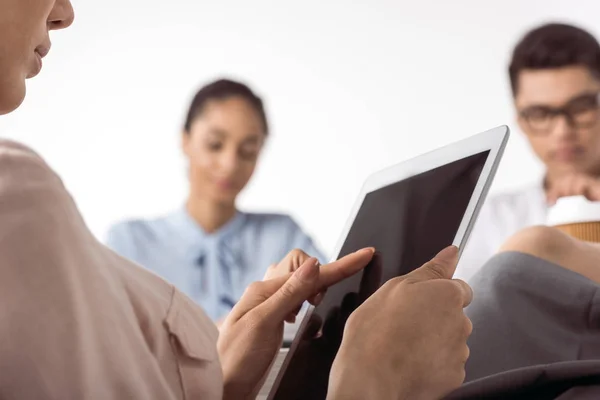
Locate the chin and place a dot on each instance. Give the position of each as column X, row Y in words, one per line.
column 572, row 168
column 11, row 98
column 225, row 198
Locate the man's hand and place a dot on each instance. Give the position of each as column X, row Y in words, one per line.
column 408, row 340
column 574, row 185
column 252, row 333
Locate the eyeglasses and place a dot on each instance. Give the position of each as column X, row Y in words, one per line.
column 580, row 112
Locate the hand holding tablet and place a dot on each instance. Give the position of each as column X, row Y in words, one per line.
column 408, row 340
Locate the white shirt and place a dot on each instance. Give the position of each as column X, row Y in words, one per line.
column 501, row 216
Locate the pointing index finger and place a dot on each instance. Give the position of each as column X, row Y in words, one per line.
column 345, row 267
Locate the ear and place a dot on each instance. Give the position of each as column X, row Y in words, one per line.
column 522, row 126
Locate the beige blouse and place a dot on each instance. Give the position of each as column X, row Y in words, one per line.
column 76, row 320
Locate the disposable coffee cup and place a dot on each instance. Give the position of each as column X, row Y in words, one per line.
column 577, row 217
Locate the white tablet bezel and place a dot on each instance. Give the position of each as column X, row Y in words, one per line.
column 493, row 140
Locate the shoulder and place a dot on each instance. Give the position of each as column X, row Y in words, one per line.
column 13, row 154
column 131, row 227
column 31, row 191
column 38, row 213
column 135, row 232
column 10, row 150
column 271, row 221
column 24, row 172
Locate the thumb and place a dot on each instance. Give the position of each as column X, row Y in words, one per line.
column 303, row 284
column 442, row 266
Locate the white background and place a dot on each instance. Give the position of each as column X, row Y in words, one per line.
column 350, row 86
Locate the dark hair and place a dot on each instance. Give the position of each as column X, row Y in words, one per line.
column 223, row 89
column 554, row 46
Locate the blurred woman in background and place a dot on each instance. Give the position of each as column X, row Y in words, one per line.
column 209, row 249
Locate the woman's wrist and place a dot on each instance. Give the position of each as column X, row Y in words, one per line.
column 351, row 379
column 356, row 375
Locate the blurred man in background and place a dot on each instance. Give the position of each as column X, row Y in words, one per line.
column 555, row 80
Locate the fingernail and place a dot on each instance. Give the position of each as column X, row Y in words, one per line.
column 369, row 250
column 448, row 253
column 318, row 299
column 309, row 270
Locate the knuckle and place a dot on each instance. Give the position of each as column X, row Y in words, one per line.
column 468, row 326
column 297, row 254
column 460, row 376
column 392, row 284
column 437, row 268
column 394, row 281
column 287, row 290
column 272, row 271
column 466, row 355
column 297, row 257
column 272, row 267
column 351, row 322
column 254, row 288
column 457, row 377
column 452, row 293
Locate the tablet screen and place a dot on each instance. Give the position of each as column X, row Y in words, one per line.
column 408, row 222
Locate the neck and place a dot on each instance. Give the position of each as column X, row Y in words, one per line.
column 210, row 215
column 550, row 178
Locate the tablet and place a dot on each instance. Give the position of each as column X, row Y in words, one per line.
column 408, row 213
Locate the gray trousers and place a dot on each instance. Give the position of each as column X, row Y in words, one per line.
column 536, row 332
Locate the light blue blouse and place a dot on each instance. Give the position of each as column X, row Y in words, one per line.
column 213, row 269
